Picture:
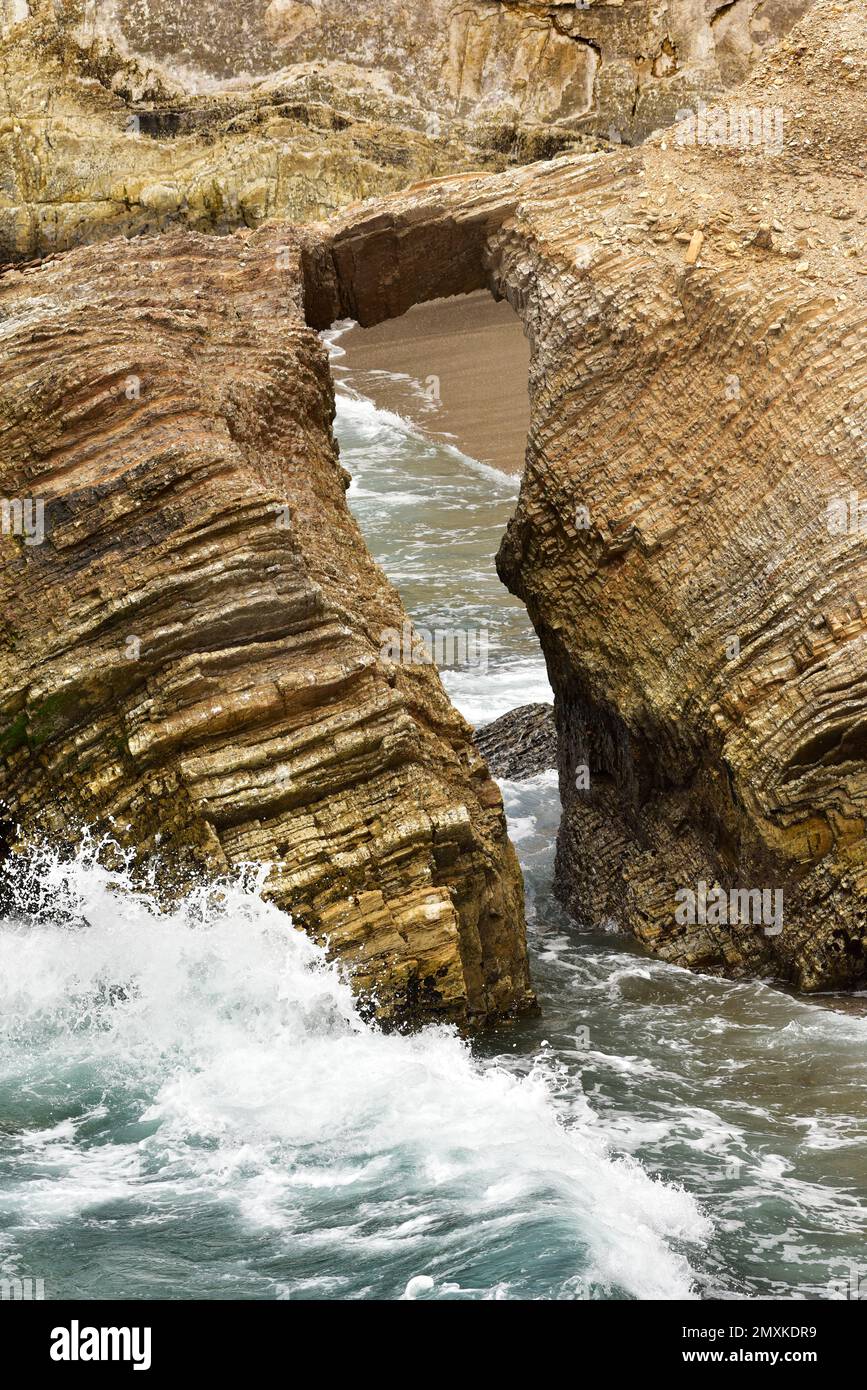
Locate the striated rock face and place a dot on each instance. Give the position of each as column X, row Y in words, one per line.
column 192, row 625
column 696, row 316
column 128, row 118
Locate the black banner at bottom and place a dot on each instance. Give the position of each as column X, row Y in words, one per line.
column 156, row 1338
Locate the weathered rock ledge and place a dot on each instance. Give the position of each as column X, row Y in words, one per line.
column 192, row 654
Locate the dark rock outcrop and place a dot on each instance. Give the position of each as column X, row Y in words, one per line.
column 519, row 743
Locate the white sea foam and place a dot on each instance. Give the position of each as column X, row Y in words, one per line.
column 367, row 418
column 482, row 696
column 235, row 1071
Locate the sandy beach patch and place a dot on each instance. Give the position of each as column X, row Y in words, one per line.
column 456, row 368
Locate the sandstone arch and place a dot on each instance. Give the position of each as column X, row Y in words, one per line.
column 696, row 312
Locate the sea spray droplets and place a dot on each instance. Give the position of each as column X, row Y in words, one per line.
column 111, row 961
column 207, row 1065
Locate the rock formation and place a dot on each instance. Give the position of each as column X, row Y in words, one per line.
column 496, row 65
column 696, row 316
column 520, row 743
column 191, row 652
column 194, row 649
column 124, row 118
column 94, row 144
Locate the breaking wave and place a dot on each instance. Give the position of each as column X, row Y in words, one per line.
column 193, row 1105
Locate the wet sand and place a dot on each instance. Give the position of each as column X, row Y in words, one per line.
column 457, row 368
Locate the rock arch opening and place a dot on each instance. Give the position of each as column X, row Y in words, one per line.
column 377, row 267
column 456, row 368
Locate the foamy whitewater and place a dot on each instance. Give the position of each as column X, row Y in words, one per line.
column 197, row 1109
column 192, row 1107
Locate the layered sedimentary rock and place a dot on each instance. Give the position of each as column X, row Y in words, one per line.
column 194, row 648
column 191, row 652
column 696, row 316
column 128, row 118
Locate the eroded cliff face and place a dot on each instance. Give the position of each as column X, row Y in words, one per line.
column 127, row 118
column 696, row 315
column 194, row 648
column 507, row 63
column 191, row 654
column 95, row 144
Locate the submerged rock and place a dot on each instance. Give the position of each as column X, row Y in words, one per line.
column 520, row 743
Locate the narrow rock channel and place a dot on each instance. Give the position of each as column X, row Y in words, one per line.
column 741, row 1094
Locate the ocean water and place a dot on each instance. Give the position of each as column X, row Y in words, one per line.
column 191, row 1106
